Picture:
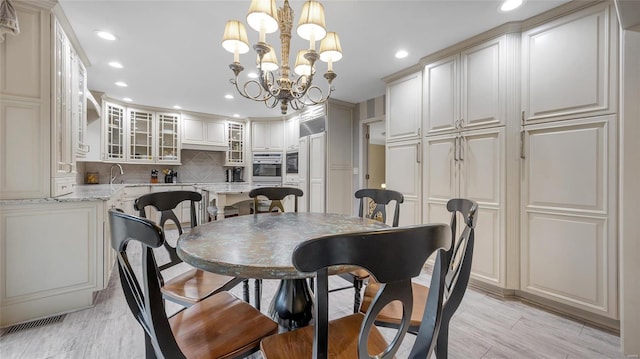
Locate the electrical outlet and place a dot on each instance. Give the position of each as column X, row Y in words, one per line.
column 356, row 170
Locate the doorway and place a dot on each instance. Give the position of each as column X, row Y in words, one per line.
column 374, row 142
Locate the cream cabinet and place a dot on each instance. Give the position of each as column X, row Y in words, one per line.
column 292, row 135
column 404, row 108
column 25, row 105
column 466, row 90
column 267, row 135
column 471, row 164
column 69, row 120
column 52, row 267
column 569, row 236
column 138, row 135
column 235, row 155
column 200, row 133
column 114, row 129
column 403, row 174
column 403, row 151
column 153, row 137
column 569, row 66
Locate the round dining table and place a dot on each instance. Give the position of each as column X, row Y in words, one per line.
column 260, row 246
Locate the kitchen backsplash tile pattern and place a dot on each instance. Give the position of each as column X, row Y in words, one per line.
column 197, row 166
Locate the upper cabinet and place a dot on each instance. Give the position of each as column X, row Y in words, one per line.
column 25, row 104
column 267, row 135
column 568, row 70
column 201, row 133
column 466, row 90
column 292, row 135
column 140, row 136
column 404, row 107
column 235, row 139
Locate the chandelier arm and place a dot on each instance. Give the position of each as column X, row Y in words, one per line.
column 260, row 96
column 311, row 100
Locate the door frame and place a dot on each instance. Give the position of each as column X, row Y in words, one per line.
column 363, row 150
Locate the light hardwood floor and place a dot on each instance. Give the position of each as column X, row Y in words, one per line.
column 483, row 327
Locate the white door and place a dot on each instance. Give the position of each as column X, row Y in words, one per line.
column 317, row 172
column 403, row 175
column 568, row 215
column 259, row 136
column 404, row 108
column 441, row 86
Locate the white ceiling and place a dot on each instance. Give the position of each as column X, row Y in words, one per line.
column 172, row 53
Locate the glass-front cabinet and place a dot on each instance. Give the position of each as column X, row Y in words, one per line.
column 138, row 135
column 168, row 139
column 114, row 131
column 235, row 152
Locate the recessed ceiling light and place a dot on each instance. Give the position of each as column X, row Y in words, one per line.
column 121, row 84
column 128, row 99
column 236, row 115
column 106, row 35
column 177, row 107
column 401, row 54
column 252, row 75
column 115, row 64
column 509, row 5
column 228, row 96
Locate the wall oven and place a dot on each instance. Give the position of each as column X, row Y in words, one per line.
column 267, row 167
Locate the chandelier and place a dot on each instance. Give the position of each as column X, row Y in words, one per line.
column 273, row 85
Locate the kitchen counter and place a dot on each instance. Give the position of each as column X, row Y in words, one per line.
column 104, row 192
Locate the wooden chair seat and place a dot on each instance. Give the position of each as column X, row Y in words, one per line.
column 299, row 343
column 392, row 313
column 194, row 285
column 360, row 274
column 221, row 326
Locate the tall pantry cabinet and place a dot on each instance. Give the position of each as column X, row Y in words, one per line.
column 569, row 156
column 465, row 147
column 403, row 151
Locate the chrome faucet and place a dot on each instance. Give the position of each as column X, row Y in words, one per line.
column 111, row 176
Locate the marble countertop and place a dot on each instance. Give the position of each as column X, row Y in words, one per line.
column 105, row 192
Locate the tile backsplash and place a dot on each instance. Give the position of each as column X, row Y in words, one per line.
column 197, row 166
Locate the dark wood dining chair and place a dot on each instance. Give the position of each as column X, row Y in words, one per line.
column 275, row 196
column 377, row 201
column 193, row 285
column 393, row 256
column 459, row 258
column 220, row 326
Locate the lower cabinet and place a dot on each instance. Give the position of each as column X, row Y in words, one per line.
column 52, row 258
column 471, row 164
column 569, row 241
column 403, row 175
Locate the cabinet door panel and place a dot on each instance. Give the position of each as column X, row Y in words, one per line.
column 567, row 259
column 193, row 130
column 440, row 175
column 404, row 108
column 482, row 173
column 574, row 158
column 140, row 132
column 488, row 257
column 441, row 95
column 566, row 66
column 216, row 133
column 23, row 57
column 276, row 136
column 317, row 172
column 403, row 175
column 483, row 84
column 259, row 133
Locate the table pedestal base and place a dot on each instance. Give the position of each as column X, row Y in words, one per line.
column 292, row 306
